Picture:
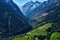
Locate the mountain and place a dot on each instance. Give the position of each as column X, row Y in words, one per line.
column 36, row 11
column 12, row 21
column 39, row 14
column 49, row 26
column 29, row 6
column 31, row 14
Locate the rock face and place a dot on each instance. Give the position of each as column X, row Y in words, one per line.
column 12, row 21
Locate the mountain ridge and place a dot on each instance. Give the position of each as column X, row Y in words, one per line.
column 12, row 22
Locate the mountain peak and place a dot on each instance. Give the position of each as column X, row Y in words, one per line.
column 37, row 2
column 31, row 5
column 28, row 3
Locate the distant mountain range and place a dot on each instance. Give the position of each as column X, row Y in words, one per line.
column 29, row 6
column 32, row 9
column 12, row 21
column 38, row 13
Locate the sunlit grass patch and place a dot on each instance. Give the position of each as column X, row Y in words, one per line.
column 55, row 36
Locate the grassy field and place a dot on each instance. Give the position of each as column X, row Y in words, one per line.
column 55, row 36
column 35, row 32
column 41, row 30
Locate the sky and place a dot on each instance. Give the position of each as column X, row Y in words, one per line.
column 22, row 2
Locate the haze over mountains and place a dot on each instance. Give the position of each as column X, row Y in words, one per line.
column 31, row 9
column 38, row 13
